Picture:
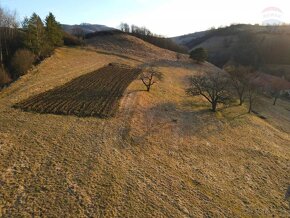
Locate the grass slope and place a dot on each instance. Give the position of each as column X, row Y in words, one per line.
column 163, row 154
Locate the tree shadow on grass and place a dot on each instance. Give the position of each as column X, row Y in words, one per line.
column 287, row 195
column 118, row 55
column 137, row 90
column 169, row 63
column 169, row 119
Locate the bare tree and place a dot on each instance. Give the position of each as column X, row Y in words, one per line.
column 212, row 86
column 252, row 92
column 78, row 32
column 239, row 79
column 149, row 77
column 125, row 27
column 4, row 77
column 276, row 87
column 8, row 30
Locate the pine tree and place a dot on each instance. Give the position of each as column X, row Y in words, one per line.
column 53, row 31
column 35, row 35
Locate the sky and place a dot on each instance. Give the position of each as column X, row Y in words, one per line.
column 166, row 17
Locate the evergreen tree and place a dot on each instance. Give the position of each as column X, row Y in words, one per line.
column 35, row 35
column 199, row 55
column 53, row 31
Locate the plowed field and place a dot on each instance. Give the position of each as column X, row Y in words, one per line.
column 94, row 94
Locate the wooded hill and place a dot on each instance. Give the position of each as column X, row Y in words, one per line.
column 264, row 47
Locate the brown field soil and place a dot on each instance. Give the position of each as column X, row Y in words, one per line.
column 163, row 154
column 94, row 94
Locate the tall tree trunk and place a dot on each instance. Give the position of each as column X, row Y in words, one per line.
column 250, row 105
column 241, row 100
column 148, row 88
column 275, row 99
column 213, row 106
column 1, row 52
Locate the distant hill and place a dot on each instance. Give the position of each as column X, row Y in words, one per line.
column 265, row 47
column 86, row 28
column 185, row 39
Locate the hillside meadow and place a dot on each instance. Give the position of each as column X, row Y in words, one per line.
column 163, row 154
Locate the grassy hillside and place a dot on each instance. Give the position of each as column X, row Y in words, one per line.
column 122, row 43
column 260, row 46
column 163, row 154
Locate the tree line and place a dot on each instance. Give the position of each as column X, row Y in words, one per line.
column 239, row 81
column 26, row 43
column 155, row 39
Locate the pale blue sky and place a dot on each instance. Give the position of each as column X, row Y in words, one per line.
column 166, row 17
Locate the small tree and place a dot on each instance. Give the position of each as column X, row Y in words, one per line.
column 212, row 86
column 200, row 55
column 276, row 86
column 70, row 40
column 239, row 79
column 252, row 92
column 149, row 77
column 4, row 76
column 21, row 62
column 125, row 27
column 78, row 32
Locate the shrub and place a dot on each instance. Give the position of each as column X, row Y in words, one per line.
column 4, row 77
column 70, row 40
column 21, row 62
column 199, row 55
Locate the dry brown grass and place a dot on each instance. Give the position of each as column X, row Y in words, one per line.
column 163, row 155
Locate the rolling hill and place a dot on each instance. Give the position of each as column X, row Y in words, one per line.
column 265, row 47
column 86, row 28
column 162, row 155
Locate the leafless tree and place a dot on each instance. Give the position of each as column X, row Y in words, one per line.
column 276, row 87
column 125, row 27
column 252, row 92
column 4, row 77
column 8, row 27
column 239, row 76
column 149, row 77
column 78, row 32
column 212, row 86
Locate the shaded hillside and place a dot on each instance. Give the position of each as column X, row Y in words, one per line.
column 259, row 46
column 185, row 39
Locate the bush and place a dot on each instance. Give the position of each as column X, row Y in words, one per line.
column 4, row 77
column 21, row 62
column 199, row 55
column 70, row 40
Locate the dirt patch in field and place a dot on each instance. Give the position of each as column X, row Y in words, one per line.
column 94, row 94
